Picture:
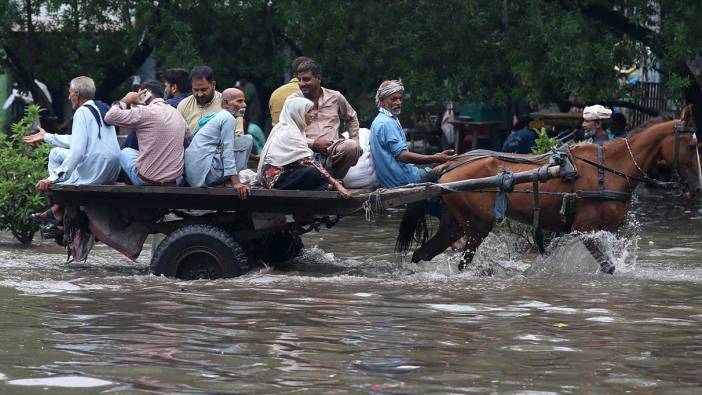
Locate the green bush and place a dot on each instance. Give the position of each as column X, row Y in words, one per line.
column 21, row 166
column 543, row 142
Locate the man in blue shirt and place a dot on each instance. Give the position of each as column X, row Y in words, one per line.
column 394, row 163
column 521, row 140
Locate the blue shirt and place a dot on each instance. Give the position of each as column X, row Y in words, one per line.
column 519, row 141
column 173, row 101
column 200, row 154
column 387, row 141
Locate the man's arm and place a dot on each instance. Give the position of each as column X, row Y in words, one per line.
column 119, row 115
column 419, row 159
column 79, row 144
column 228, row 159
column 123, row 117
column 349, row 116
column 397, row 145
column 58, row 140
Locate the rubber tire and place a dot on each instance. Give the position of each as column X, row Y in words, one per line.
column 199, row 252
column 279, row 248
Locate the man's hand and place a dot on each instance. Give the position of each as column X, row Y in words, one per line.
column 243, row 189
column 443, row 156
column 131, row 98
column 343, row 192
column 36, row 138
column 43, row 185
column 321, row 144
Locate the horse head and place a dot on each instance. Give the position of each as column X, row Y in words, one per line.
column 683, row 154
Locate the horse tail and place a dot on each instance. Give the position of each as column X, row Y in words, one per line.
column 413, row 227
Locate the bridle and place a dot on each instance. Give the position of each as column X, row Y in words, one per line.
column 646, row 179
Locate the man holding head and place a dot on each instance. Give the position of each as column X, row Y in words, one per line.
column 204, row 99
column 394, row 163
column 329, row 108
column 207, row 164
column 160, row 130
column 177, row 86
column 595, row 123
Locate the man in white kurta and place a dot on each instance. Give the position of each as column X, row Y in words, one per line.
column 90, row 154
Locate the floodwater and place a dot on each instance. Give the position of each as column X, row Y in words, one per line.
column 351, row 317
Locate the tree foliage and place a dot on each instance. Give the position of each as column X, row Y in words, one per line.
column 477, row 50
column 21, row 166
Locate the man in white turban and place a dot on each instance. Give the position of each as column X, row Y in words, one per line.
column 394, row 164
column 595, row 120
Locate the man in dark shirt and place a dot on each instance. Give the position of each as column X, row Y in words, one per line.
column 177, row 83
column 521, row 140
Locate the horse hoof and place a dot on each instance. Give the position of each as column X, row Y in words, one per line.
column 607, row 268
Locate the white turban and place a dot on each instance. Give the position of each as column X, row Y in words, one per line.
column 387, row 88
column 596, row 112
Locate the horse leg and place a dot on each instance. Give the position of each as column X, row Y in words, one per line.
column 606, row 265
column 449, row 231
column 473, row 241
column 583, row 223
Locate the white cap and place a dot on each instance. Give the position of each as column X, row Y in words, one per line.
column 596, row 112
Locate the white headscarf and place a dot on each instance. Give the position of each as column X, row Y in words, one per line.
column 596, row 112
column 387, row 88
column 287, row 143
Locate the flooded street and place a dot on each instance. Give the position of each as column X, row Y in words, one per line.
column 352, row 317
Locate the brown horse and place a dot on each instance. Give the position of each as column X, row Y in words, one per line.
column 472, row 213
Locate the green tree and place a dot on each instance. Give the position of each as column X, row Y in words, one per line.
column 21, row 166
column 477, row 50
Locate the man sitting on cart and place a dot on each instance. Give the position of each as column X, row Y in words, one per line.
column 215, row 154
column 394, row 164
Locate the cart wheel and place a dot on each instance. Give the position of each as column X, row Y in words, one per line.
column 199, row 252
column 279, row 248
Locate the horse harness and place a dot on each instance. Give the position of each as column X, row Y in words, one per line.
column 569, row 172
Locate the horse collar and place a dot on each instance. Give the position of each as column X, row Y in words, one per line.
column 633, row 159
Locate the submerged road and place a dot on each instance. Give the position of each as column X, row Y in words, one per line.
column 351, row 317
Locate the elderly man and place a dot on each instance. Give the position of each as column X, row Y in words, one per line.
column 394, row 163
column 323, row 134
column 160, row 130
column 275, row 104
column 204, row 100
column 217, row 152
column 595, row 123
column 89, row 155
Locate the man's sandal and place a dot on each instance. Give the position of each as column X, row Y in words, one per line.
column 45, row 217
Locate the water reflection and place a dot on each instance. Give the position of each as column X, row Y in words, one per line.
column 352, row 317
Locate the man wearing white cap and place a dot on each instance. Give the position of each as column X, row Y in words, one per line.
column 595, row 119
column 394, row 164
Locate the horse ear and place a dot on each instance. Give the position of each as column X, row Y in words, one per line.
column 686, row 115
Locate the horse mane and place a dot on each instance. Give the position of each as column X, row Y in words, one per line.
column 665, row 117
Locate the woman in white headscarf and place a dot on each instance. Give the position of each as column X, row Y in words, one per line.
column 286, row 160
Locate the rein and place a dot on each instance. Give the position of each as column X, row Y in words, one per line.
column 646, row 179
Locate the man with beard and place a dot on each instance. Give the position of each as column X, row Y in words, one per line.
column 177, row 82
column 204, row 99
column 394, row 164
column 329, row 108
column 218, row 152
column 595, row 123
